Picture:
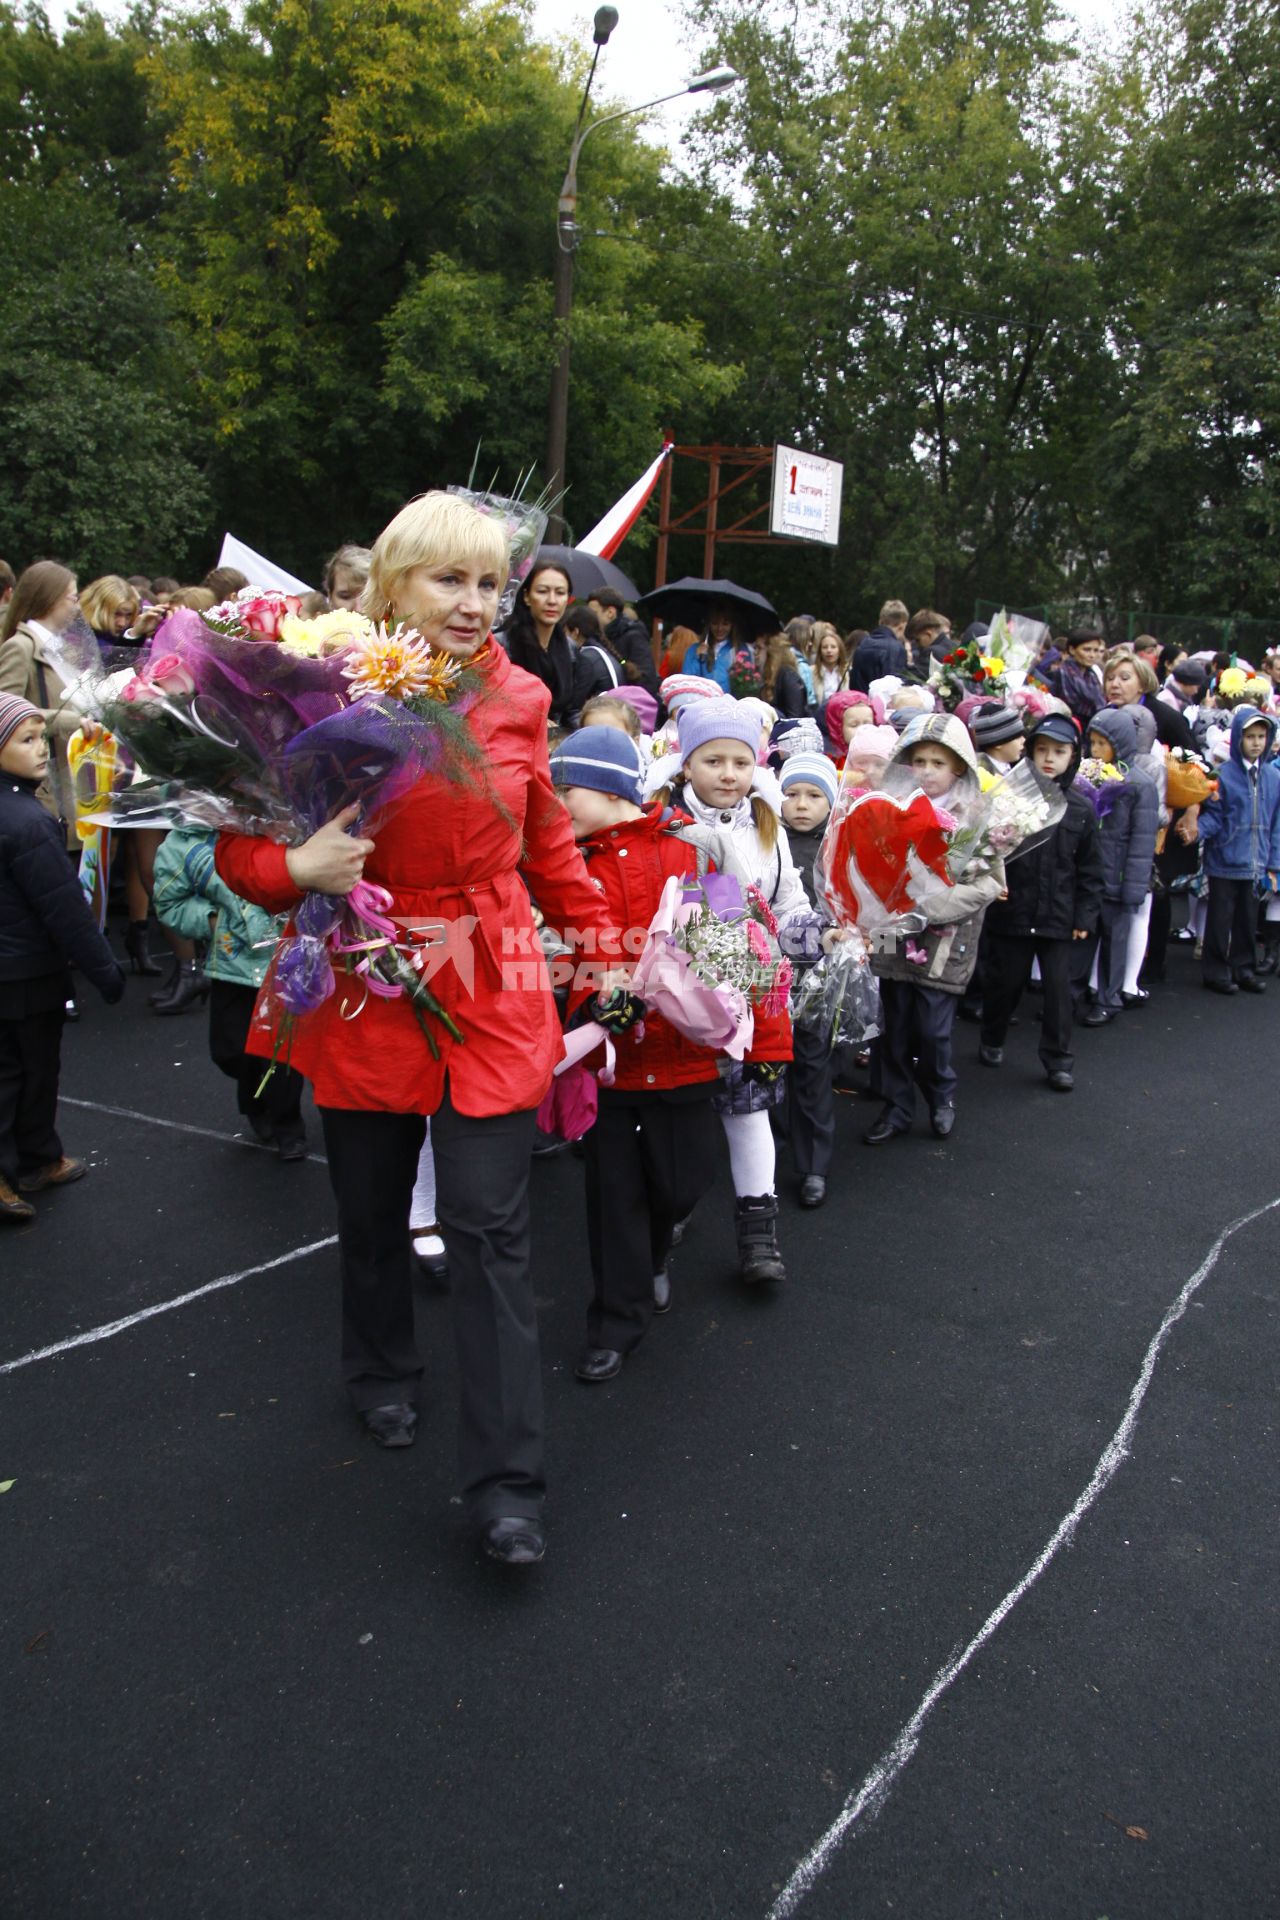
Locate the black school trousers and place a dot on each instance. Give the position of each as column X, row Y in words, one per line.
column 650, row 1158
column 482, row 1180
column 811, row 1103
column 1009, row 957
column 1230, row 947
column 914, row 1049
column 30, row 1053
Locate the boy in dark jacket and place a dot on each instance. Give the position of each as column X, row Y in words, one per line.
column 1130, row 826
column 1240, row 834
column 1053, row 894
column 45, row 921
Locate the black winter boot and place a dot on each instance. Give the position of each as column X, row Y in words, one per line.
column 1270, row 947
column 756, row 1220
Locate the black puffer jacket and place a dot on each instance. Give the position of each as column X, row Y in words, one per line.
column 44, row 918
column 1057, row 887
column 630, row 641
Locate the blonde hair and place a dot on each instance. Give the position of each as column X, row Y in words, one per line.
column 1143, row 668
column 606, row 703
column 431, row 531
column 197, row 599
column 102, row 599
column 763, row 817
column 352, row 559
column 778, row 654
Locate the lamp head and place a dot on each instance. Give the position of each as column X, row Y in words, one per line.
column 605, row 21
column 715, row 80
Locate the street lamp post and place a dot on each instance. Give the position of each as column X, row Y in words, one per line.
column 714, row 81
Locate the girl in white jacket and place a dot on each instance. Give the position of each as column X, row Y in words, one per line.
column 720, row 785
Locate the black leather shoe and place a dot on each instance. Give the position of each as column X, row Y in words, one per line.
column 291, row 1149
column 884, row 1129
column 1221, row 986
column 991, row 1056
column 598, row 1363
column 1097, row 1017
column 393, row 1426
column 1250, row 983
column 813, row 1190
column 942, row 1120
column 1138, row 999
column 1061, row 1081
column 514, row 1541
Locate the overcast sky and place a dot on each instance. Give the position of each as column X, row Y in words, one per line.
column 647, row 56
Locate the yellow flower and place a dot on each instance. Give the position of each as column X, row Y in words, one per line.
column 1232, row 680
column 986, row 780
column 327, row 633
column 992, row 664
column 400, row 665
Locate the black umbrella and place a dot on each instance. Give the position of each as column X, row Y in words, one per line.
column 688, row 603
column 587, row 572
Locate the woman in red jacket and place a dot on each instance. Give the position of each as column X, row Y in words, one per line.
column 452, row 856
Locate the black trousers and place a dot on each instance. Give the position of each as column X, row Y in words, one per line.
column 280, row 1104
column 811, row 1103
column 1230, row 950
column 482, row 1179
column 30, row 1052
column 914, row 1048
column 1008, row 969
column 649, row 1159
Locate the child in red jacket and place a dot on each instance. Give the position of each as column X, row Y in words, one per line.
column 653, row 1151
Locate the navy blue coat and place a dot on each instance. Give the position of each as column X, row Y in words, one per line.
column 45, row 919
column 1132, row 820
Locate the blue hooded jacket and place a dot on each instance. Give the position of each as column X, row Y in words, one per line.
column 1240, row 828
column 1130, row 826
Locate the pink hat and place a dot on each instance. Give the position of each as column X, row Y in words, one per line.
column 640, row 700
column 679, row 687
column 13, row 711
column 839, row 704
column 872, row 743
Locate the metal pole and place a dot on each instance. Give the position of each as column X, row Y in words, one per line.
column 713, row 501
column 664, row 520
column 558, row 410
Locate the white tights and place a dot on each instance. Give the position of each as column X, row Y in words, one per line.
column 422, row 1209
column 1139, row 922
column 751, row 1153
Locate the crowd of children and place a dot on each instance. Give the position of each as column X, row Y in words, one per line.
column 693, row 781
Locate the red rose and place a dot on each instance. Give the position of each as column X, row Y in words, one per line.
column 979, row 673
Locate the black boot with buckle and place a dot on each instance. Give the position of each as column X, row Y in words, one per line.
column 756, row 1219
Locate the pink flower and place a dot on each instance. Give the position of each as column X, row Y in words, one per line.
column 265, row 614
column 947, row 821
column 137, row 692
column 761, row 908
column 167, row 675
column 758, row 944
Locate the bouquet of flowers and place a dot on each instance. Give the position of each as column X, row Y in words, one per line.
column 1018, row 812
column 839, row 997
column 220, row 730
column 968, row 669
column 746, row 682
column 1097, row 780
column 709, row 959
column 525, row 522
column 1189, row 781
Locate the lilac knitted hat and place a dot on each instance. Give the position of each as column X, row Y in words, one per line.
column 717, row 720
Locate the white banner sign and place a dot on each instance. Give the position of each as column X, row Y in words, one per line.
column 806, row 496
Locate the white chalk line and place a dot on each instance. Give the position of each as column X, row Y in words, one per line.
column 112, row 1327
column 178, row 1126
column 869, row 1798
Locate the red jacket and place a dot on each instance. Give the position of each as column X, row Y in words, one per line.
column 452, row 862
column 631, row 864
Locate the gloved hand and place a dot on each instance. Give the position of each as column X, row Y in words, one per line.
column 764, row 1073
column 617, row 1011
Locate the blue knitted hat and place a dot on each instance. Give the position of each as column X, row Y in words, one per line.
column 605, row 758
column 815, row 769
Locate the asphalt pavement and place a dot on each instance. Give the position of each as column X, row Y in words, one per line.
column 253, row 1665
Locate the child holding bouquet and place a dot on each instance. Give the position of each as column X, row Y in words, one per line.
column 1054, row 895
column 718, row 785
column 1129, row 816
column 923, row 975
column 653, row 1150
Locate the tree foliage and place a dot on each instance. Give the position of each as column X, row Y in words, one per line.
column 279, row 265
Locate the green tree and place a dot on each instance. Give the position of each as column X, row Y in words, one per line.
column 101, row 461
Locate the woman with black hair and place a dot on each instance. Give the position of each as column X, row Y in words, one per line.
column 534, row 637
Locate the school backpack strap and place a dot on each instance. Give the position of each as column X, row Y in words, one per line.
column 610, row 662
